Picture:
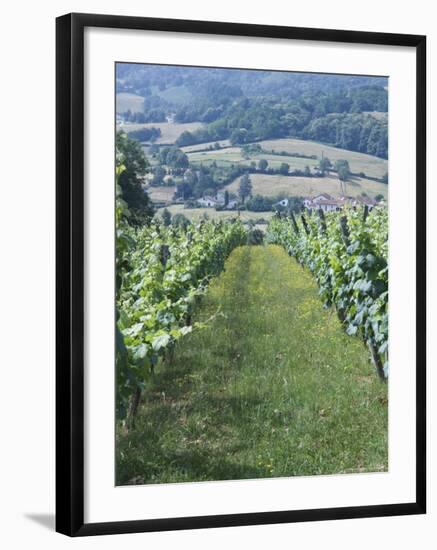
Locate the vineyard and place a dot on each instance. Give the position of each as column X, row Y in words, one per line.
column 161, row 274
column 236, row 361
column 347, row 253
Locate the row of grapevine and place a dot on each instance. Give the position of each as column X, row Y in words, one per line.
column 161, row 273
column 347, row 253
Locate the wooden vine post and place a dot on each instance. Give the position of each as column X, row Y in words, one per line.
column 305, row 225
column 294, row 223
column 164, row 255
column 322, row 220
column 345, row 231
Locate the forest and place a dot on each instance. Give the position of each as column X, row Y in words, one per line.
column 247, row 106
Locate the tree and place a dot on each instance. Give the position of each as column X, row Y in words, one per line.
column 245, row 187
column 238, row 136
column 166, row 217
column 130, row 154
column 343, row 172
column 284, row 168
column 262, row 165
column 226, row 198
column 343, row 176
column 186, row 138
column 307, row 172
column 258, row 203
column 324, row 165
column 158, row 175
column 179, row 220
column 384, row 178
column 176, row 158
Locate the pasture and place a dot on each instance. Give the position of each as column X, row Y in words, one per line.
column 161, row 193
column 233, row 155
column 295, row 186
column 129, row 102
column 170, row 131
column 203, row 146
column 358, row 162
column 174, row 94
column 196, row 214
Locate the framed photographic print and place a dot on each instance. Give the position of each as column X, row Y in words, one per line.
column 240, row 274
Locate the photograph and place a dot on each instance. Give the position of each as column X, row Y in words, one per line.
column 251, row 273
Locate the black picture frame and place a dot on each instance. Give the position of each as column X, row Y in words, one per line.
column 70, row 273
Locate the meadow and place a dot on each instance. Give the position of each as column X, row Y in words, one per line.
column 273, row 185
column 271, row 386
column 203, row 146
column 170, row 131
column 233, row 155
column 129, row 102
column 199, row 213
column 358, row 162
column 178, row 95
column 161, row 193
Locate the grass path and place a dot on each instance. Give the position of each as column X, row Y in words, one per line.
column 273, row 387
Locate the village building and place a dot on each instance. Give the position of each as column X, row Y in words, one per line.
column 232, row 204
column 211, row 202
column 325, row 202
column 208, row 202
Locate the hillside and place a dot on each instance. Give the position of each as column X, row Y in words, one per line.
column 273, row 185
column 271, row 387
column 358, row 162
column 129, row 102
column 170, row 131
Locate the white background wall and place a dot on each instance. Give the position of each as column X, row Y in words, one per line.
column 27, row 273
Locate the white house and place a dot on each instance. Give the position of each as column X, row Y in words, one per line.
column 327, row 203
column 324, row 201
column 208, row 202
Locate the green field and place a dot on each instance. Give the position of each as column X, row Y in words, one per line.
column 132, row 102
column 271, row 387
column 198, row 213
column 203, row 146
column 174, row 94
column 170, row 131
column 233, row 155
column 358, row 162
column 161, row 193
column 273, row 185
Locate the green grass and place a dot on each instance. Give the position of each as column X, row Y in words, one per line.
column 358, row 162
column 161, row 193
column 196, row 214
column 272, row 185
column 203, row 146
column 272, row 387
column 174, row 94
column 233, row 155
column 170, row 131
column 126, row 102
